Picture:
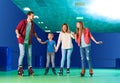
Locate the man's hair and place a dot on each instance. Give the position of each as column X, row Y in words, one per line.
column 30, row 12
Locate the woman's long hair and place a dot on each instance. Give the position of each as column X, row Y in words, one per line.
column 66, row 26
column 78, row 30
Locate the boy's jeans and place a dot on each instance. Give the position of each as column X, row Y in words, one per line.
column 50, row 56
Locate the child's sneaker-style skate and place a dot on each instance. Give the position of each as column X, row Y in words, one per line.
column 54, row 71
column 46, row 71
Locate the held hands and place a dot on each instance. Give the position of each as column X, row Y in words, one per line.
column 39, row 39
column 99, row 42
column 56, row 49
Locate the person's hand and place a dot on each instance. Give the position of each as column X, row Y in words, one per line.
column 39, row 39
column 56, row 49
column 18, row 35
column 73, row 34
column 100, row 42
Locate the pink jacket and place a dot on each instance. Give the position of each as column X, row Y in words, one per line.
column 87, row 37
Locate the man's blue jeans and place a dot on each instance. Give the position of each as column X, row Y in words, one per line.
column 28, row 49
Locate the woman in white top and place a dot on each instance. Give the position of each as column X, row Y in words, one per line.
column 65, row 38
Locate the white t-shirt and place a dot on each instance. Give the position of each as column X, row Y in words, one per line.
column 66, row 39
column 83, row 43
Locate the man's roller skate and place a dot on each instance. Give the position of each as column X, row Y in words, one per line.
column 20, row 71
column 30, row 71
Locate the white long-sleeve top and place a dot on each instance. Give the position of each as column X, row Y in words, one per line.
column 66, row 39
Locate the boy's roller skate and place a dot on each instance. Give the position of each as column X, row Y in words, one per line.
column 54, row 71
column 82, row 73
column 20, row 71
column 60, row 73
column 30, row 71
column 46, row 71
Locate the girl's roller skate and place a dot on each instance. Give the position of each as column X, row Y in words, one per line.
column 68, row 70
column 91, row 72
column 60, row 73
column 54, row 71
column 82, row 73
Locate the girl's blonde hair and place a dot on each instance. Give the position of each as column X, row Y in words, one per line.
column 66, row 26
column 78, row 31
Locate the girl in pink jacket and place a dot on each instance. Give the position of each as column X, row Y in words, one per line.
column 82, row 37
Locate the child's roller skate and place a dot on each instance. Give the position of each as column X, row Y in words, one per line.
column 30, row 71
column 54, row 71
column 82, row 73
column 46, row 71
column 91, row 72
column 20, row 71
column 60, row 73
column 68, row 70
